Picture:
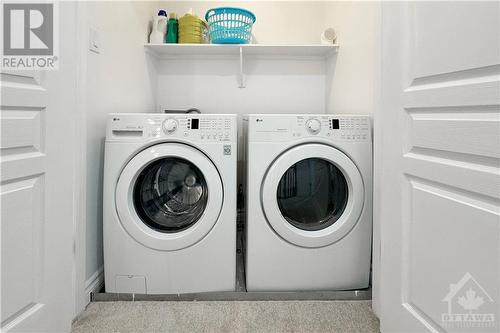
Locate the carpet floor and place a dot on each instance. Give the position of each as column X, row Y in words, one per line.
column 228, row 316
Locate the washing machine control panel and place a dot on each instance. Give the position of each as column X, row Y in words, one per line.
column 200, row 128
column 351, row 128
column 196, row 127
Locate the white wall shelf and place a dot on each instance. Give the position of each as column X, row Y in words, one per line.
column 169, row 50
column 172, row 51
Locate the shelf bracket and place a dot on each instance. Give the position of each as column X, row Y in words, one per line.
column 241, row 74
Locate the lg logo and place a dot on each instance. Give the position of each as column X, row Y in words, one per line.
column 28, row 29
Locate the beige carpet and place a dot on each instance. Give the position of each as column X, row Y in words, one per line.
column 234, row 316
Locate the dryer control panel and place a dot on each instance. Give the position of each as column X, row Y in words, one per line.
column 347, row 128
column 196, row 127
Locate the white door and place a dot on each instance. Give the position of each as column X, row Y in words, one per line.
column 37, row 175
column 438, row 168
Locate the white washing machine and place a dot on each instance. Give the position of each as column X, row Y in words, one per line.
column 170, row 203
column 309, row 195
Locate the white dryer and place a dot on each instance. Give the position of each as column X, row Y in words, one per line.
column 309, row 195
column 170, row 203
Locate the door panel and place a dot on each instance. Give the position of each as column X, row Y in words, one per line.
column 37, row 154
column 22, row 130
column 439, row 146
column 21, row 234
column 457, row 131
column 23, row 166
column 431, row 253
column 451, row 38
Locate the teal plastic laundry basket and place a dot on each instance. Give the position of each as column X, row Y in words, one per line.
column 230, row 25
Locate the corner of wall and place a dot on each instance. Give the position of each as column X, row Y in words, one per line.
column 377, row 164
column 353, row 80
column 80, row 155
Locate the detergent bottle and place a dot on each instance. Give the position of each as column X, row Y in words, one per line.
column 159, row 28
column 173, row 29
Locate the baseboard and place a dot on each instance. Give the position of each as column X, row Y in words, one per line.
column 94, row 283
column 346, row 295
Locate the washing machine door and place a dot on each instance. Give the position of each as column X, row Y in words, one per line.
column 312, row 195
column 169, row 196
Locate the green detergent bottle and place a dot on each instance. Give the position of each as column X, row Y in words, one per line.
column 172, row 29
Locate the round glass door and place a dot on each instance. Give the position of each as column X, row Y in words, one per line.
column 170, row 194
column 312, row 194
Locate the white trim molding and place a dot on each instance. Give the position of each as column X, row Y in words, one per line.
column 94, row 283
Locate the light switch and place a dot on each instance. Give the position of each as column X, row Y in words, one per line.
column 94, row 41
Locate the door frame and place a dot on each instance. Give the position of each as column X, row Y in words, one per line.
column 82, row 286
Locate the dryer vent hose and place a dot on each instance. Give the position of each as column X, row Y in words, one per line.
column 191, row 110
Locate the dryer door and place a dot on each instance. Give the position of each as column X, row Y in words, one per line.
column 312, row 195
column 169, row 196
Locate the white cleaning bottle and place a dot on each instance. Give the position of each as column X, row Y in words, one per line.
column 159, row 28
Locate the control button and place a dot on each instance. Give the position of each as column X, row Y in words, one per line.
column 170, row 126
column 313, row 126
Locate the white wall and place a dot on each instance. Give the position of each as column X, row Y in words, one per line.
column 278, row 22
column 352, row 86
column 349, row 84
column 118, row 79
column 272, row 86
column 276, row 86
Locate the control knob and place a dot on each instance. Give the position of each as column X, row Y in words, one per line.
column 170, row 126
column 313, row 126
